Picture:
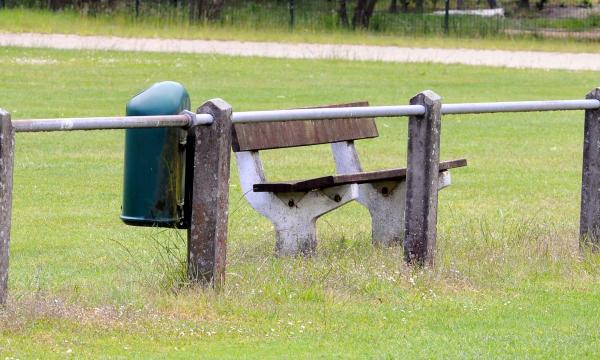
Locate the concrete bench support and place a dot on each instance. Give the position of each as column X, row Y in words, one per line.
column 385, row 200
column 293, row 214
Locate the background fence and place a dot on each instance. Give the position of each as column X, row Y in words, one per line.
column 475, row 18
column 467, row 18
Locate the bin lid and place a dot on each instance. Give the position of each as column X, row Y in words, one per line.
column 162, row 98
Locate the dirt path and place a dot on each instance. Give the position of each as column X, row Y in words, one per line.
column 511, row 59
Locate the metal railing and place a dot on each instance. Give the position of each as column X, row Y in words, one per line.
column 188, row 119
column 185, row 119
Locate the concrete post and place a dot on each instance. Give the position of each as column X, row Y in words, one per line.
column 589, row 229
column 7, row 147
column 210, row 152
column 422, row 180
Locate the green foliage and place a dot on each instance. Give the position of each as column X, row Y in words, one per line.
column 322, row 16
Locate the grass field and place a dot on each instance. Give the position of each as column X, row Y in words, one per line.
column 509, row 281
column 20, row 20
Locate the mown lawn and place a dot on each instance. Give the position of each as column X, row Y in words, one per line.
column 509, row 281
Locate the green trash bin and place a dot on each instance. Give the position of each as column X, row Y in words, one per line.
column 153, row 187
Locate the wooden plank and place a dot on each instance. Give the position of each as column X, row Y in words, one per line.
column 589, row 229
column 283, row 134
column 422, row 180
column 7, row 148
column 343, row 179
column 207, row 234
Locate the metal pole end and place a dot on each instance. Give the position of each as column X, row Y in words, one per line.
column 197, row 119
column 191, row 116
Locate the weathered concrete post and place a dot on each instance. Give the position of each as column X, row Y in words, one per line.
column 209, row 179
column 589, row 230
column 422, row 179
column 7, row 148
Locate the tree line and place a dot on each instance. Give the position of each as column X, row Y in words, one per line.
column 351, row 13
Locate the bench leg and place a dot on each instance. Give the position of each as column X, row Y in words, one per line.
column 386, row 203
column 295, row 222
column 293, row 215
column 298, row 236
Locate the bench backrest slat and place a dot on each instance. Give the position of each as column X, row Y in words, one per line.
column 283, row 134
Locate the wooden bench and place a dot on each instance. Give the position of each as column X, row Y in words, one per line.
column 294, row 206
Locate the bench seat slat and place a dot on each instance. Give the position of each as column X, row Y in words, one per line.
column 343, row 179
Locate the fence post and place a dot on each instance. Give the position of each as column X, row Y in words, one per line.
column 7, row 148
column 422, row 179
column 589, row 230
column 292, row 8
column 446, row 17
column 209, row 180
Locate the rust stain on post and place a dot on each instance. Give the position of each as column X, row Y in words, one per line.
column 422, row 180
column 7, row 148
column 209, row 158
column 589, row 229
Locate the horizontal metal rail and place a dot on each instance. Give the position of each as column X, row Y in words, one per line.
column 118, row 122
column 189, row 119
column 327, row 113
column 519, row 106
column 408, row 110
